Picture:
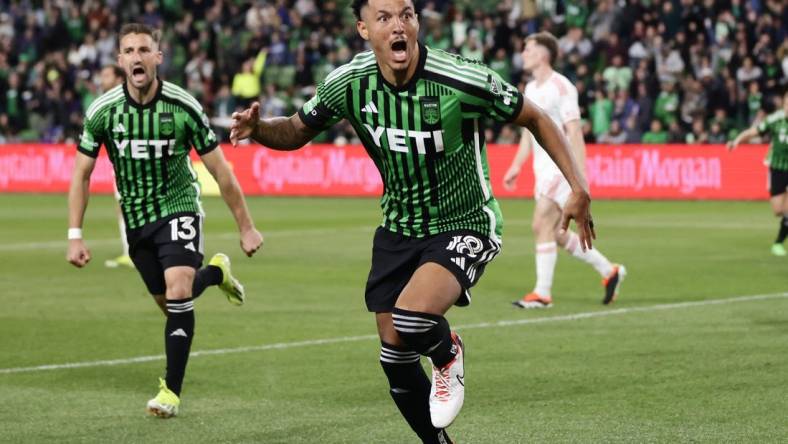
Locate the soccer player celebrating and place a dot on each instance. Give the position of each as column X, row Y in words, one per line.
column 556, row 95
column 418, row 112
column 111, row 76
column 148, row 127
column 776, row 126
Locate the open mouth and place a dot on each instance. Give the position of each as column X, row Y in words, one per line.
column 138, row 73
column 400, row 50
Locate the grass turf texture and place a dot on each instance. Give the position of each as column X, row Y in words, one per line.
column 706, row 373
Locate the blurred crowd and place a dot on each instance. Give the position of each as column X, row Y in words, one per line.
column 647, row 71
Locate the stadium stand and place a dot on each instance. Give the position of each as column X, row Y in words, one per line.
column 683, row 71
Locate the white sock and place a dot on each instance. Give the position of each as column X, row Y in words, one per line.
column 546, row 256
column 122, row 226
column 591, row 256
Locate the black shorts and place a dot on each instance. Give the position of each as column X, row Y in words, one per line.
column 778, row 182
column 170, row 242
column 396, row 257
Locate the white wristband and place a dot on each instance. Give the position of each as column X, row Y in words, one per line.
column 74, row 233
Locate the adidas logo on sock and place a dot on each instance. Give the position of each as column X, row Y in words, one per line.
column 179, row 332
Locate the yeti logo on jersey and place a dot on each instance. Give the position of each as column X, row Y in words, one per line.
column 467, row 245
column 398, row 138
column 140, row 149
column 430, row 110
column 166, row 124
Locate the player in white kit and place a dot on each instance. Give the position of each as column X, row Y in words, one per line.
column 557, row 96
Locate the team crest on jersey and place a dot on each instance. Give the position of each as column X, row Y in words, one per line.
column 494, row 87
column 166, row 124
column 431, row 110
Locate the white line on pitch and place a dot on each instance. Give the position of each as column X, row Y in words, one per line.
column 344, row 339
column 62, row 244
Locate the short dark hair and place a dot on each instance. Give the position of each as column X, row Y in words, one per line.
column 548, row 41
column 138, row 28
column 117, row 70
column 356, row 6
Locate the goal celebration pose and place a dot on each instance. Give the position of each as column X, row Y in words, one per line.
column 419, row 113
column 148, row 127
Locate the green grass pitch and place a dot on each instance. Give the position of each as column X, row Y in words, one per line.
column 683, row 356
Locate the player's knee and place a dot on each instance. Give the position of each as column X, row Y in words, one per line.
column 179, row 290
column 563, row 239
column 179, row 281
column 417, row 329
column 541, row 228
column 386, row 330
column 536, row 226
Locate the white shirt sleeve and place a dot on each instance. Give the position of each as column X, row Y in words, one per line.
column 568, row 106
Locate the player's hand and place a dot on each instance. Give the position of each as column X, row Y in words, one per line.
column 251, row 241
column 732, row 145
column 78, row 254
column 578, row 207
column 510, row 178
column 244, row 123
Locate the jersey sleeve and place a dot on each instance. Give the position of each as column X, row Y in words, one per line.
column 765, row 126
column 569, row 109
column 92, row 136
column 202, row 136
column 326, row 107
column 505, row 100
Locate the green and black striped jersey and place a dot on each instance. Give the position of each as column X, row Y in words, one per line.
column 149, row 146
column 776, row 124
column 426, row 137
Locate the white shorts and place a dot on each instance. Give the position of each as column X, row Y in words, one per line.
column 553, row 187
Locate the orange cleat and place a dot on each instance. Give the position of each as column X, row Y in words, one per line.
column 612, row 283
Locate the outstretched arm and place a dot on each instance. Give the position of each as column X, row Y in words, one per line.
column 552, row 139
column 77, row 253
column 574, row 132
column 744, row 136
column 523, row 152
column 251, row 239
column 279, row 133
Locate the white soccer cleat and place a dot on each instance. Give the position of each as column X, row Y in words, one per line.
column 448, row 388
